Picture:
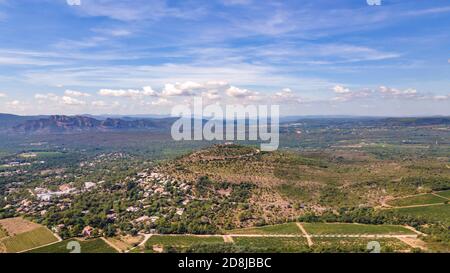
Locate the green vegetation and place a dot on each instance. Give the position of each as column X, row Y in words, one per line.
column 89, row 246
column 445, row 194
column 272, row 244
column 435, row 213
column 326, row 171
column 347, row 228
column 357, row 245
column 180, row 243
column 417, row 200
column 31, row 239
column 282, row 229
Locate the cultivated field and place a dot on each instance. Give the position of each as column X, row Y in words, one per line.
column 435, row 213
column 31, row 239
column 180, row 242
column 273, row 244
column 125, row 243
column 89, row 246
column 354, row 229
column 346, row 245
column 23, row 235
column 17, row 225
column 282, row 229
column 421, row 199
column 445, row 194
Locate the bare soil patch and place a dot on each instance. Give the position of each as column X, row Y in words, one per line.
column 17, row 225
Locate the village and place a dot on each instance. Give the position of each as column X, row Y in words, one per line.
column 149, row 185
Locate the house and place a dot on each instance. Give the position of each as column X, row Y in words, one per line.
column 154, row 218
column 180, row 211
column 87, row 231
column 65, row 188
column 89, row 185
column 44, row 197
column 142, row 219
column 132, row 209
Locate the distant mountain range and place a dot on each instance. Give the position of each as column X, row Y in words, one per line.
column 86, row 123
column 69, row 124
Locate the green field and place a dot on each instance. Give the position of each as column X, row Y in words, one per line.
column 91, row 246
column 436, row 213
column 357, row 245
column 343, row 228
column 445, row 194
column 181, row 242
column 273, row 244
column 282, row 229
column 422, row 199
column 31, row 239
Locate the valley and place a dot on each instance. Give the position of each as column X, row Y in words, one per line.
column 345, row 181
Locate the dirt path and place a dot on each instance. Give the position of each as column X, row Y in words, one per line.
column 111, row 244
column 415, row 206
column 415, row 230
column 141, row 244
column 437, row 194
column 414, row 243
column 308, row 238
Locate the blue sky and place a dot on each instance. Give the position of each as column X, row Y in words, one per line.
column 312, row 57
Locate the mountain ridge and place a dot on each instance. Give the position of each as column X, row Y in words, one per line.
column 69, row 124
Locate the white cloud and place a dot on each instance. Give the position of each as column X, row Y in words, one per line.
column 286, row 93
column 128, row 93
column 339, row 89
column 73, row 93
column 148, row 91
column 119, row 92
column 181, row 89
column 161, row 102
column 64, row 100
column 236, row 92
column 441, row 97
column 3, row 95
column 211, row 95
column 236, row 2
column 49, row 96
column 14, row 103
column 388, row 92
column 137, row 10
column 99, row 103
column 287, row 96
column 73, row 2
column 72, row 101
